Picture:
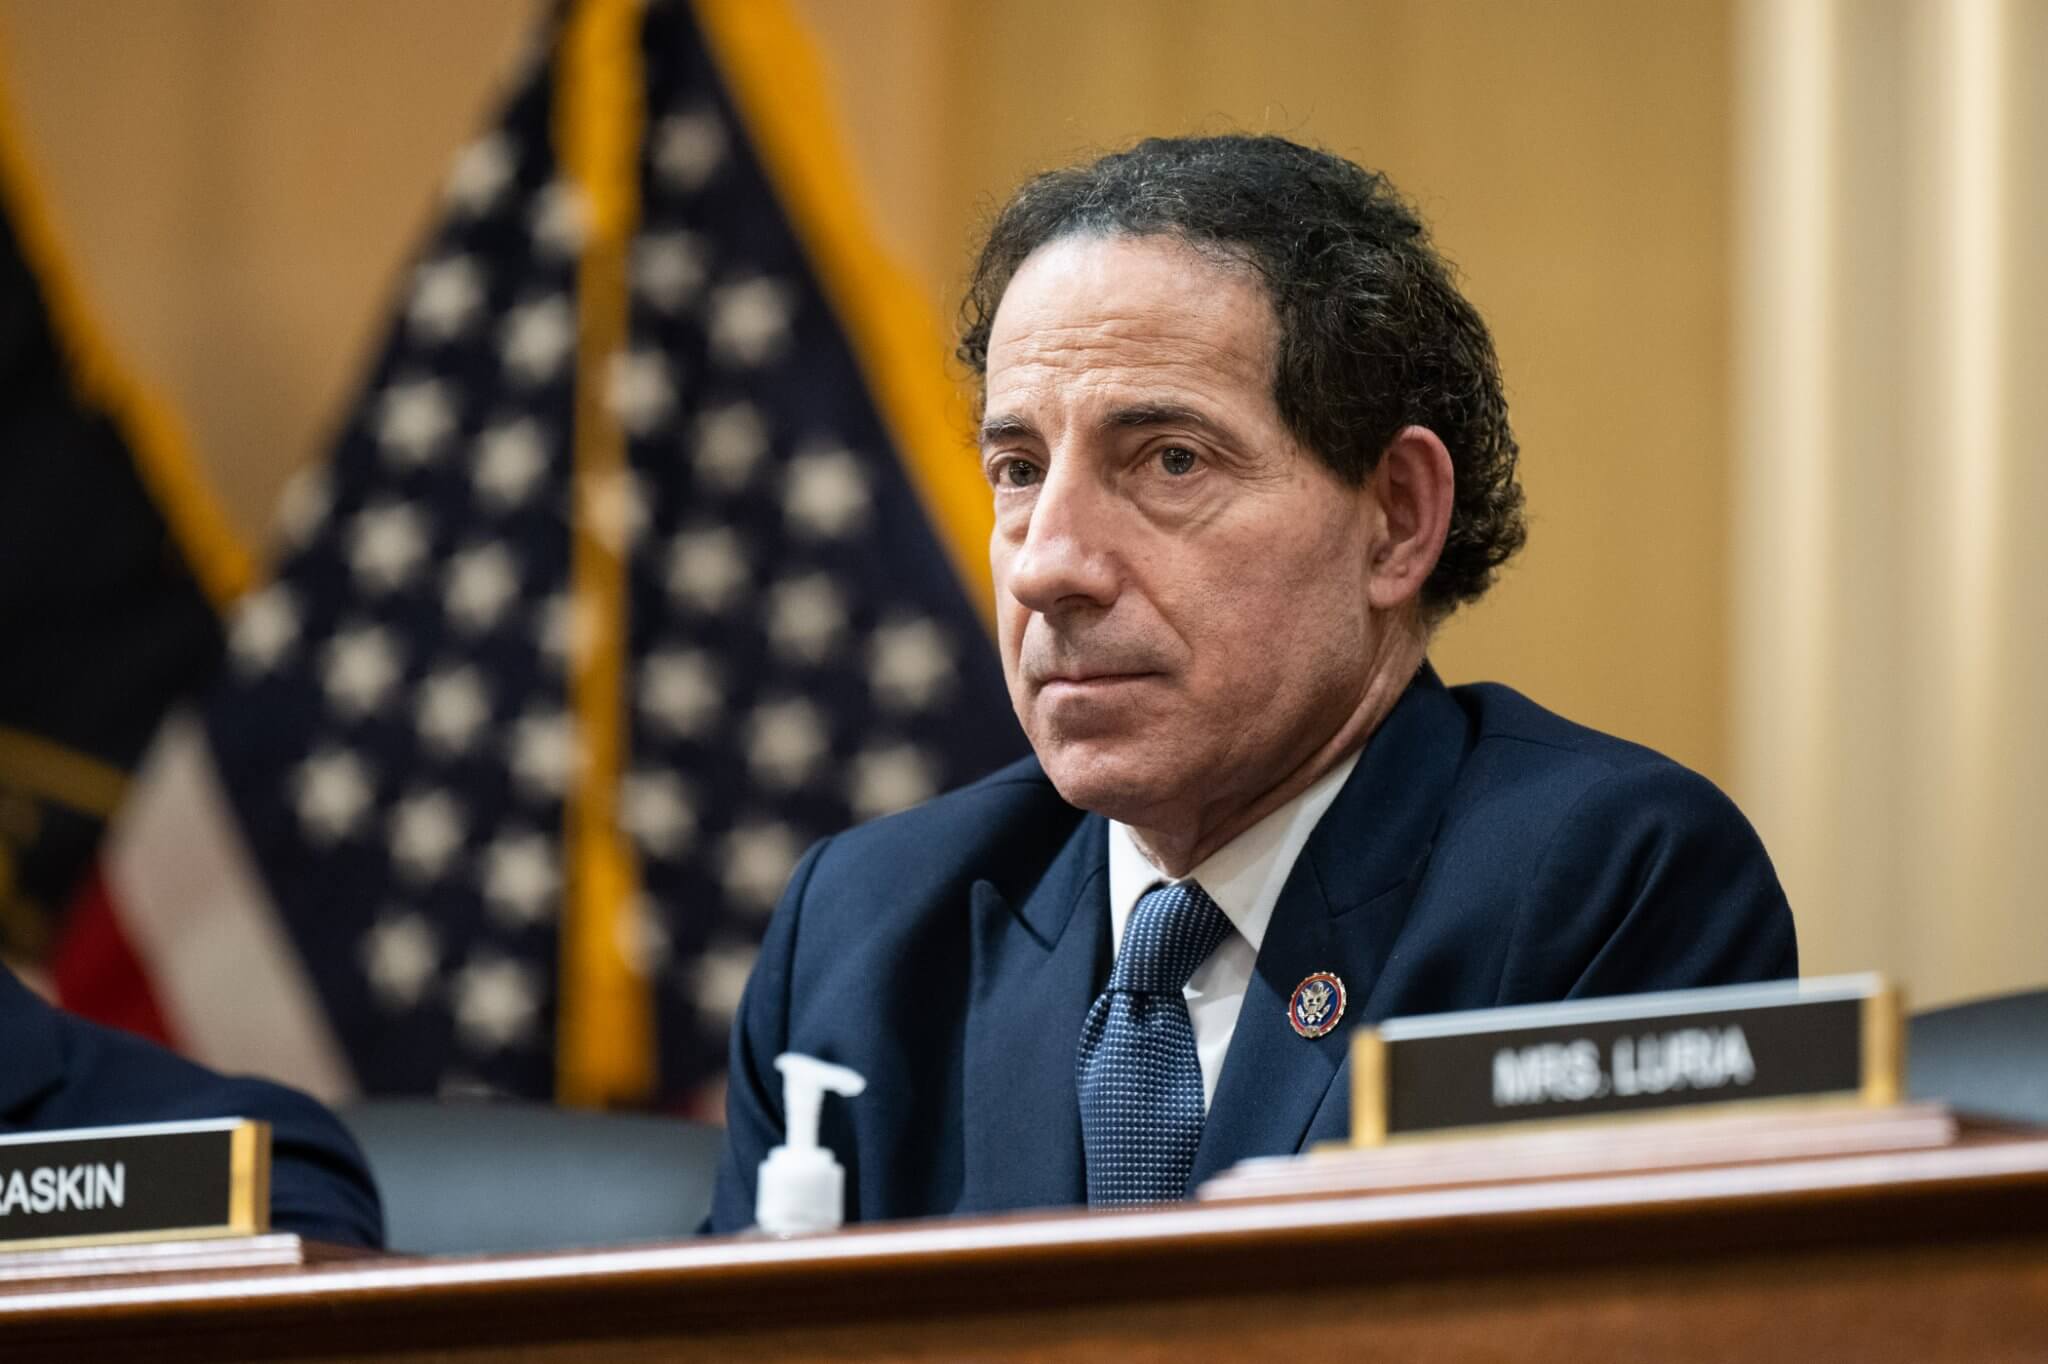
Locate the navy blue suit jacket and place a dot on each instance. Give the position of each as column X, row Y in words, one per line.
column 58, row 1071
column 1483, row 852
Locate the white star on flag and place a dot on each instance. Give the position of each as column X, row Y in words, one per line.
column 718, row 979
column 561, row 219
column 386, row 544
column 303, row 508
column 265, row 626
column 827, row 494
column 453, row 709
column 495, row 1001
column 806, row 617
column 669, row 269
column 730, row 442
column 707, row 569
column 400, row 956
column 565, row 627
column 680, row 691
column 639, row 391
column 426, row 830
column 656, row 809
column 886, row 780
column 520, row 879
column 750, row 321
column 545, row 755
column 910, row 664
column 482, row 581
column 538, row 339
column 333, row 791
column 759, row 855
column 510, row 459
column 785, row 742
column 362, row 666
column 414, row 418
column 688, row 148
column 446, row 295
column 481, row 174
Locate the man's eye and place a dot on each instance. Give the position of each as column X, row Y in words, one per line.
column 1019, row 473
column 1177, row 460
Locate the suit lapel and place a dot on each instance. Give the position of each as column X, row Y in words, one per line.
column 1038, row 963
column 1340, row 911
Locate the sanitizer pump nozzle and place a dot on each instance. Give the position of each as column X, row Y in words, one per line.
column 801, row 1187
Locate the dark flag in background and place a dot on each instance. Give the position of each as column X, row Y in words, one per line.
column 111, row 565
column 638, row 567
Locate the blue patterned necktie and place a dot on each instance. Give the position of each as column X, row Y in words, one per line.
column 1140, row 1080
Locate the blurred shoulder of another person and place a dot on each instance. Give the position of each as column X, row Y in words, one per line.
column 58, row 1071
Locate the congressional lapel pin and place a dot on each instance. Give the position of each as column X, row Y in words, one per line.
column 1317, row 1004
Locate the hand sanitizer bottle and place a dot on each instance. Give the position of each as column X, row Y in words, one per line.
column 801, row 1188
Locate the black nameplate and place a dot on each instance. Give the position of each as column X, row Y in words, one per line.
column 148, row 1181
column 1835, row 1040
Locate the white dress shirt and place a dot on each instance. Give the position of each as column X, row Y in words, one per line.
column 1244, row 878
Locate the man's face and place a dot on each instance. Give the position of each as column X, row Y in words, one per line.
column 1180, row 584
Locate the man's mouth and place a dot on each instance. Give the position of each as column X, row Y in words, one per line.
column 1082, row 683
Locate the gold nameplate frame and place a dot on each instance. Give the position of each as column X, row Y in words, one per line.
column 169, row 1181
column 1834, row 1040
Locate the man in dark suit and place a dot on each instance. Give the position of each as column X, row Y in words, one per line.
column 1248, row 448
column 57, row 1071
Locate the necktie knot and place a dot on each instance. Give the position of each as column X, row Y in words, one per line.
column 1170, row 933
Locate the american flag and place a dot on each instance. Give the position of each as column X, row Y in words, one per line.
column 392, row 738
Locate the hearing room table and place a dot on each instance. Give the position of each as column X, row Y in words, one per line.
column 1925, row 1254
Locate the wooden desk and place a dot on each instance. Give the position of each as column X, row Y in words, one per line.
column 1925, row 1255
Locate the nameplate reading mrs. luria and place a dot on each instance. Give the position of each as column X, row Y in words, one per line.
column 143, row 1182
column 1830, row 1040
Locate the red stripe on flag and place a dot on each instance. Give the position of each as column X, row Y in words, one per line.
column 97, row 973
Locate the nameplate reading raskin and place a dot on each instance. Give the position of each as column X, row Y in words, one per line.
column 1831, row 1040
column 144, row 1182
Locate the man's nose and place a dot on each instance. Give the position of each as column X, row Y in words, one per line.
column 1068, row 557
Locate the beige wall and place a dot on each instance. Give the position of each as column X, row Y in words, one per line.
column 239, row 180
column 1892, row 650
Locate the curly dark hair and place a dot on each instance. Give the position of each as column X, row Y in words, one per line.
column 1374, row 335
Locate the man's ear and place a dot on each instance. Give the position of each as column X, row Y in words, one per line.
column 1413, row 486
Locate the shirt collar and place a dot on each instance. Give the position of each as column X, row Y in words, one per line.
column 1244, row 876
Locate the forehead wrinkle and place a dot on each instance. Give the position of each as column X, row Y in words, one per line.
column 1162, row 339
